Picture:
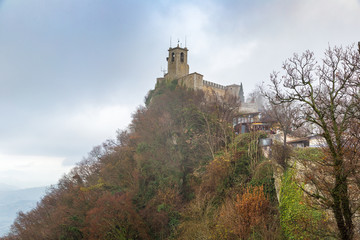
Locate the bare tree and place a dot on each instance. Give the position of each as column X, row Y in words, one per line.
column 286, row 115
column 327, row 96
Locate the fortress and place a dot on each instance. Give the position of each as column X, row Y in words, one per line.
column 178, row 69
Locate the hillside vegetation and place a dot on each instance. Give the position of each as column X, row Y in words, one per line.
column 177, row 172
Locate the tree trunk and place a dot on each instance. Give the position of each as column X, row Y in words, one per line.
column 284, row 152
column 341, row 206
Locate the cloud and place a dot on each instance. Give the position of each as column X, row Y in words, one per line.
column 31, row 171
column 72, row 72
column 71, row 75
column 68, row 132
column 216, row 37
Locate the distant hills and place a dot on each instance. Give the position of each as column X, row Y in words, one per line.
column 13, row 200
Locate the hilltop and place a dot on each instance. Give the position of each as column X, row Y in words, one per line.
column 178, row 171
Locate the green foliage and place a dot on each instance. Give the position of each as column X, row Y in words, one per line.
column 308, row 154
column 298, row 219
column 247, row 154
column 264, row 177
column 142, row 147
column 160, row 89
column 71, row 233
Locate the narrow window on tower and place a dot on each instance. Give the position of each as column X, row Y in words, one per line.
column 173, row 57
column 182, row 57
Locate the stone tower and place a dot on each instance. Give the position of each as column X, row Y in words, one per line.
column 177, row 63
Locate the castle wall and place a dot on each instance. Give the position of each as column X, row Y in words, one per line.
column 233, row 90
column 192, row 81
column 213, row 88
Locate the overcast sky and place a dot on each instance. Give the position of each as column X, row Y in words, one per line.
column 72, row 72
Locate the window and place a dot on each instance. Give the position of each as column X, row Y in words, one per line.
column 182, row 57
column 173, row 57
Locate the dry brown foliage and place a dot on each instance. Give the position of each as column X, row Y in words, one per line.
column 240, row 218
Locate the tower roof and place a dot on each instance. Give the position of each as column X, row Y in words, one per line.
column 177, row 47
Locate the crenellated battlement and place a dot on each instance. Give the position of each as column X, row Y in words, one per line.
column 215, row 85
